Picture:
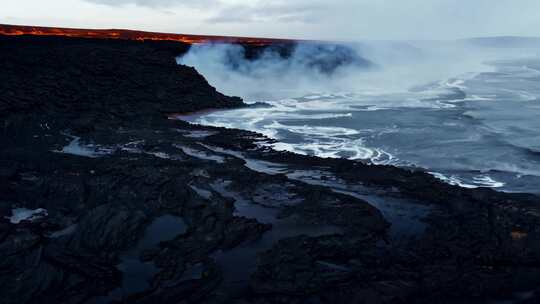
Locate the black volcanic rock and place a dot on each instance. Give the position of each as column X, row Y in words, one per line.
column 133, row 207
column 117, row 79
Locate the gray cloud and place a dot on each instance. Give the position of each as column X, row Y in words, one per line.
column 388, row 19
column 310, row 19
column 261, row 11
column 274, row 12
column 158, row 3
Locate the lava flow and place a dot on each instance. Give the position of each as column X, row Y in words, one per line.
column 18, row 30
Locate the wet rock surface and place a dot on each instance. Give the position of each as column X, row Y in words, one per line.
column 105, row 199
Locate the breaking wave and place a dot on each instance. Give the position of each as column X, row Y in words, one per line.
column 476, row 129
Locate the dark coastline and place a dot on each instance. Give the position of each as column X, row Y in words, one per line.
column 256, row 225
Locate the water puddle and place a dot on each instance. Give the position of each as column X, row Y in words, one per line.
column 76, row 148
column 66, row 231
column 240, row 262
column 202, row 192
column 404, row 215
column 197, row 134
column 201, row 154
column 19, row 215
column 136, row 275
column 253, row 164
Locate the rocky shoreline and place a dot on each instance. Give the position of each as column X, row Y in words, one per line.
column 104, row 198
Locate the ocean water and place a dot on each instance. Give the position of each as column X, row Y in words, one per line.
column 478, row 128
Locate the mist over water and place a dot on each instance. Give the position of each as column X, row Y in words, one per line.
column 466, row 113
column 306, row 68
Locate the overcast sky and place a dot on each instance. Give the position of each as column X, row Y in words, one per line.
column 310, row 19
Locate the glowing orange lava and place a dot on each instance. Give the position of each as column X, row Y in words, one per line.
column 17, row 30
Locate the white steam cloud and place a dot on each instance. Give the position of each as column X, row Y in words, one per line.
column 378, row 67
column 272, row 74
